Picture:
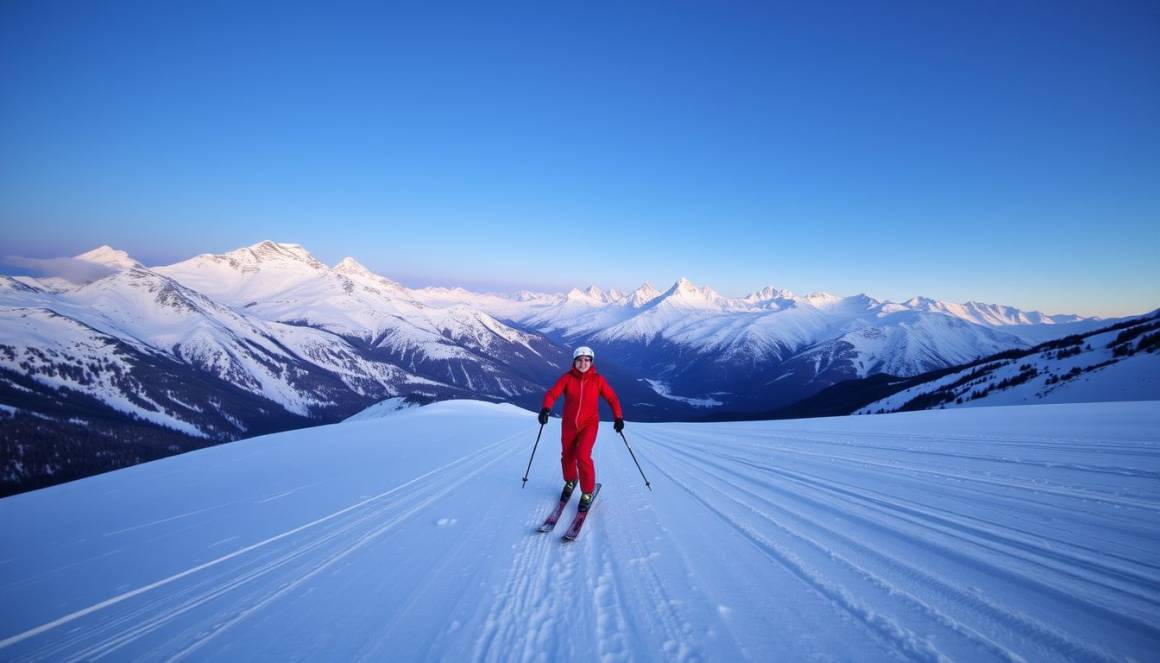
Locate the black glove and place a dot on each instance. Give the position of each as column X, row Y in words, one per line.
column 544, row 416
column 618, row 425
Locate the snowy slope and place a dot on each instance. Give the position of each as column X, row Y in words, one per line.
column 455, row 344
column 993, row 315
column 272, row 297
column 384, row 408
column 1117, row 365
column 909, row 343
column 1008, row 534
column 771, row 323
column 299, row 368
column 864, row 335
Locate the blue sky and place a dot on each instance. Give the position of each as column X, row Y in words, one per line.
column 1005, row 152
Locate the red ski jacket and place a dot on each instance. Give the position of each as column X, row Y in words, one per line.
column 580, row 403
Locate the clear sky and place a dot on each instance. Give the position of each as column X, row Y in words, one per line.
column 999, row 151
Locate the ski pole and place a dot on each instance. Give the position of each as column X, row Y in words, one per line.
column 525, row 483
column 646, row 483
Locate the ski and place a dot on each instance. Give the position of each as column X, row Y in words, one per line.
column 581, row 516
column 554, row 517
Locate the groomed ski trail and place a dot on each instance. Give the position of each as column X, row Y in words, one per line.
column 1008, row 534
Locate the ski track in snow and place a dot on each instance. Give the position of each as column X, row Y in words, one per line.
column 770, row 541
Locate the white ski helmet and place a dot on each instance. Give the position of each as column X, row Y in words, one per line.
column 583, row 351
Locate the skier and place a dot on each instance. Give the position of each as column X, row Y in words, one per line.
column 580, row 386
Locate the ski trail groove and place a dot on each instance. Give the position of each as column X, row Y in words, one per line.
column 1057, row 642
column 893, row 591
column 141, row 629
column 905, row 640
column 949, row 524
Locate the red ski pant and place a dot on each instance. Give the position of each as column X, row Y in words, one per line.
column 576, row 456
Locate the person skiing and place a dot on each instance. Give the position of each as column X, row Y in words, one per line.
column 581, row 385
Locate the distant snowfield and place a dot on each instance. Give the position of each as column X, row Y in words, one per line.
column 662, row 389
column 1013, row 533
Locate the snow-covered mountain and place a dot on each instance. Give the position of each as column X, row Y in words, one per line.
column 992, row 315
column 1120, row 363
column 268, row 336
column 109, row 257
column 302, row 369
column 773, row 347
column 991, row 534
column 455, row 344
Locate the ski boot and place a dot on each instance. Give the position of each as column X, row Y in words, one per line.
column 585, row 501
column 566, row 494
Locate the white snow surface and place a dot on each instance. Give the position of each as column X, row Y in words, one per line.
column 1015, row 533
column 663, row 389
column 154, row 313
column 384, row 408
column 110, row 257
column 263, row 288
column 1133, row 378
column 285, row 283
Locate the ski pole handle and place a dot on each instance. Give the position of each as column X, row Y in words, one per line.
column 525, row 483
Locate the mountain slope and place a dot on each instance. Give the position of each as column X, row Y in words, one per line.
column 304, row 370
column 1116, row 364
column 274, row 338
column 987, row 534
column 455, row 345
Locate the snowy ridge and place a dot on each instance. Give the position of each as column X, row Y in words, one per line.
column 313, row 343
column 1003, row 534
column 154, row 313
column 189, row 348
column 988, row 314
column 65, row 353
column 1118, row 364
column 909, row 343
column 110, row 257
column 381, row 409
column 285, row 283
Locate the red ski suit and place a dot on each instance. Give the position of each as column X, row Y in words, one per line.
column 581, row 419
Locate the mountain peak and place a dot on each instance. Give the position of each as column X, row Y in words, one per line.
column 822, row 299
column 110, row 257
column 684, row 293
column 275, row 252
column 575, row 293
column 349, row 265
column 920, row 301
column 643, row 295
column 593, row 296
column 768, row 293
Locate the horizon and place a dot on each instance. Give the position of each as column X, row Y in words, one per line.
column 63, row 267
column 1002, row 154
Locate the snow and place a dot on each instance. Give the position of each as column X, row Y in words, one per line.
column 910, row 343
column 1013, row 533
column 1099, row 375
column 110, row 257
column 226, row 314
column 662, row 389
column 384, row 408
column 1134, row 378
column 45, row 343
column 284, row 283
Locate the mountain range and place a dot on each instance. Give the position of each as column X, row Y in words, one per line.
column 267, row 337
